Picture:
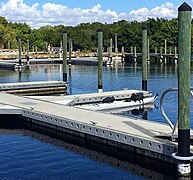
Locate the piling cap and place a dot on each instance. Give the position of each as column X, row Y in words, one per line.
column 184, row 7
column 144, row 28
column 99, row 30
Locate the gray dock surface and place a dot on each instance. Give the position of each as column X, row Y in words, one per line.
column 133, row 132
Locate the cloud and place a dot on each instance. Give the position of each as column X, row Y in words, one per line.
column 167, row 10
column 56, row 14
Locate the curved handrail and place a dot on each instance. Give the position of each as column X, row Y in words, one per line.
column 162, row 109
column 173, row 127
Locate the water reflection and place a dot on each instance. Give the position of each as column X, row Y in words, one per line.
column 125, row 160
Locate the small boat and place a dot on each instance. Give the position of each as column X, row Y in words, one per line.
column 118, row 104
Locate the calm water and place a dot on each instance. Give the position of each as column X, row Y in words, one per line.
column 26, row 157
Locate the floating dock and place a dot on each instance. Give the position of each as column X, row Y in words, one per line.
column 139, row 136
column 34, row 88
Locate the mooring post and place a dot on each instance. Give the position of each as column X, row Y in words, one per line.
column 60, row 49
column 36, row 49
column 156, row 58
column 175, row 55
column 131, row 49
column 131, row 57
column 65, row 57
column 170, row 50
column 123, row 53
column 161, row 54
column 27, row 52
column 19, row 52
column 148, row 55
column 156, row 50
column 70, row 52
column 100, row 60
column 111, row 51
column 8, row 45
column 135, row 54
column 144, row 58
column 184, row 56
column 165, row 51
column 23, row 49
column 116, row 49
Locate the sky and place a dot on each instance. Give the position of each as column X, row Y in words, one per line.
column 38, row 13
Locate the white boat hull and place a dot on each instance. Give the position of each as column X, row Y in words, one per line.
column 116, row 104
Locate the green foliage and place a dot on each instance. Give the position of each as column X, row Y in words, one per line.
column 84, row 35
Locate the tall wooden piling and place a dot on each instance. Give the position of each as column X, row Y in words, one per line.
column 111, row 50
column 123, row 53
column 161, row 54
column 155, row 50
column 148, row 55
column 65, row 57
column 60, row 49
column 184, row 56
column 8, row 45
column 70, row 52
column 144, row 58
column 135, row 54
column 36, row 48
column 20, row 52
column 131, row 49
column 27, row 57
column 165, row 50
column 100, row 60
column 116, row 47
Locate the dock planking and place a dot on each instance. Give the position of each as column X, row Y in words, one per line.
column 123, row 132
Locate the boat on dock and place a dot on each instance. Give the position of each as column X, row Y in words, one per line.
column 111, row 103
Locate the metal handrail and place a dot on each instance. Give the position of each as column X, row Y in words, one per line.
column 172, row 126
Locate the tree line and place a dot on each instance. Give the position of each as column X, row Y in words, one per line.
column 84, row 35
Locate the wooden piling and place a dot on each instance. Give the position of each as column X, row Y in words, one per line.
column 27, row 57
column 100, row 60
column 60, row 49
column 161, row 54
column 123, row 53
column 135, row 54
column 36, row 49
column 19, row 52
column 8, row 45
column 65, row 57
column 184, row 56
column 148, row 55
column 165, row 51
column 70, row 52
column 116, row 48
column 144, row 58
column 155, row 50
column 110, row 50
column 131, row 49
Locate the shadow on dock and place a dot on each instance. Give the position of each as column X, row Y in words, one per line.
column 131, row 162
